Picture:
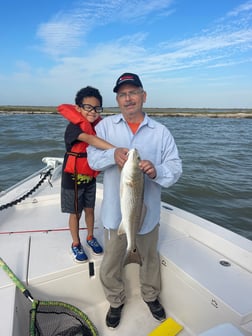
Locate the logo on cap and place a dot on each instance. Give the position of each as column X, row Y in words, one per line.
column 123, row 78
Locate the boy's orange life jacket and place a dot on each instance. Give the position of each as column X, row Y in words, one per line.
column 77, row 158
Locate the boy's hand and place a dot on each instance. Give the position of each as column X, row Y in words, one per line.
column 121, row 156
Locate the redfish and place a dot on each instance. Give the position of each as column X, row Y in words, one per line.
column 132, row 205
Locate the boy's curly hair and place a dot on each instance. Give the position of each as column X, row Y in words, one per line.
column 88, row 91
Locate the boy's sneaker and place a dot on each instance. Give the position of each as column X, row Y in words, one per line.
column 94, row 246
column 78, row 253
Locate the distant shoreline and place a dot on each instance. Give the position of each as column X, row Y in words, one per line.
column 158, row 112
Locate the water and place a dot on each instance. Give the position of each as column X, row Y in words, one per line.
column 216, row 153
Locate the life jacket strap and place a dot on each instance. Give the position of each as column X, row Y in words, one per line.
column 78, row 155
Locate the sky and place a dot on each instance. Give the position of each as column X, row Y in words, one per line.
column 188, row 53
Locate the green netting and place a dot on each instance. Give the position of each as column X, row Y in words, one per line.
column 53, row 318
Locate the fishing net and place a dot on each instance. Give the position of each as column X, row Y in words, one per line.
column 54, row 318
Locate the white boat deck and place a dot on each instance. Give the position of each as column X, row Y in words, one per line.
column 197, row 291
column 63, row 280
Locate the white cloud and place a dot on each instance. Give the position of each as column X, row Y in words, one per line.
column 224, row 45
column 67, row 31
column 245, row 7
column 62, row 34
column 135, row 10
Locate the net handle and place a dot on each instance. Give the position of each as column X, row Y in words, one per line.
column 15, row 280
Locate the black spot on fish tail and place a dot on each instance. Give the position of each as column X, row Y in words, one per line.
column 133, row 256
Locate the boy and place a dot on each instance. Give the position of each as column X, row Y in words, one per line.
column 78, row 186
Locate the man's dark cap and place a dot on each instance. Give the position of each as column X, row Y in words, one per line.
column 127, row 78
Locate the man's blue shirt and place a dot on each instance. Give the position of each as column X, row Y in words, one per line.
column 154, row 143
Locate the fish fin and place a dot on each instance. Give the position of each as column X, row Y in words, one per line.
column 121, row 229
column 133, row 256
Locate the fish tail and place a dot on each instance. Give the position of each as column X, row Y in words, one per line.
column 133, row 256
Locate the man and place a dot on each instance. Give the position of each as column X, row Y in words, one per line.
column 162, row 167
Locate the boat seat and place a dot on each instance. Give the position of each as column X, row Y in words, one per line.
column 212, row 277
column 225, row 329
